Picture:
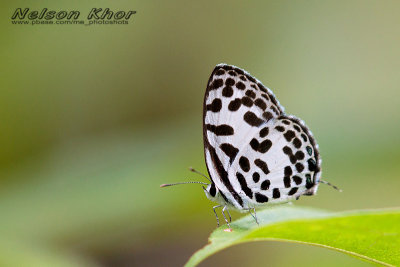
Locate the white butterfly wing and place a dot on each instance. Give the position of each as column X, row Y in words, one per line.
column 279, row 163
column 236, row 107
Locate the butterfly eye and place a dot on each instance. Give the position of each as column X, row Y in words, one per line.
column 213, row 190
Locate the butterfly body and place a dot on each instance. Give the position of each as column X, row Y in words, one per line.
column 256, row 155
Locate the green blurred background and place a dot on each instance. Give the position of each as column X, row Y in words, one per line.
column 95, row 118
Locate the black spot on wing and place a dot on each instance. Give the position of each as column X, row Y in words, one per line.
column 244, row 163
column 240, row 86
column 287, row 150
column 230, row 82
column 251, row 94
column 243, row 185
column 289, row 135
column 293, row 191
column 312, row 165
column 276, row 193
column 262, row 165
column 264, row 132
column 309, row 183
column 297, row 179
column 220, row 72
column 265, row 146
column 217, row 83
column 260, row 103
column 265, row 96
column 299, row 167
column 254, row 144
column 215, row 105
column 299, row 155
column 286, row 181
column 296, row 142
column 232, row 72
column 280, row 128
column 246, row 101
column 256, row 177
column 252, row 119
column 230, row 151
column 267, row 115
column 265, row 185
column 234, row 104
column 262, row 147
column 260, row 198
column 221, row 130
column 227, row 91
column 288, row 171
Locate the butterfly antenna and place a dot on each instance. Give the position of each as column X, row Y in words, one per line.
column 165, row 185
column 328, row 183
column 193, row 170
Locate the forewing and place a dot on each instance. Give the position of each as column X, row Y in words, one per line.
column 236, row 106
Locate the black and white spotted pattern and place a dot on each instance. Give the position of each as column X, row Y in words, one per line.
column 255, row 153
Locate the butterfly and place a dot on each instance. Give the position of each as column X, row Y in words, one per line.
column 256, row 154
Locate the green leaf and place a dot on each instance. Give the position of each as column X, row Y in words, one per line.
column 372, row 235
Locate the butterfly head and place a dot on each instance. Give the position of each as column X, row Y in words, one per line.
column 215, row 195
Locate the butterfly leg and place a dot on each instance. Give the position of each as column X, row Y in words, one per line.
column 223, row 213
column 216, row 216
column 230, row 218
column 255, row 215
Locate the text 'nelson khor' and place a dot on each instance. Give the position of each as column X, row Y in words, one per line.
column 95, row 13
